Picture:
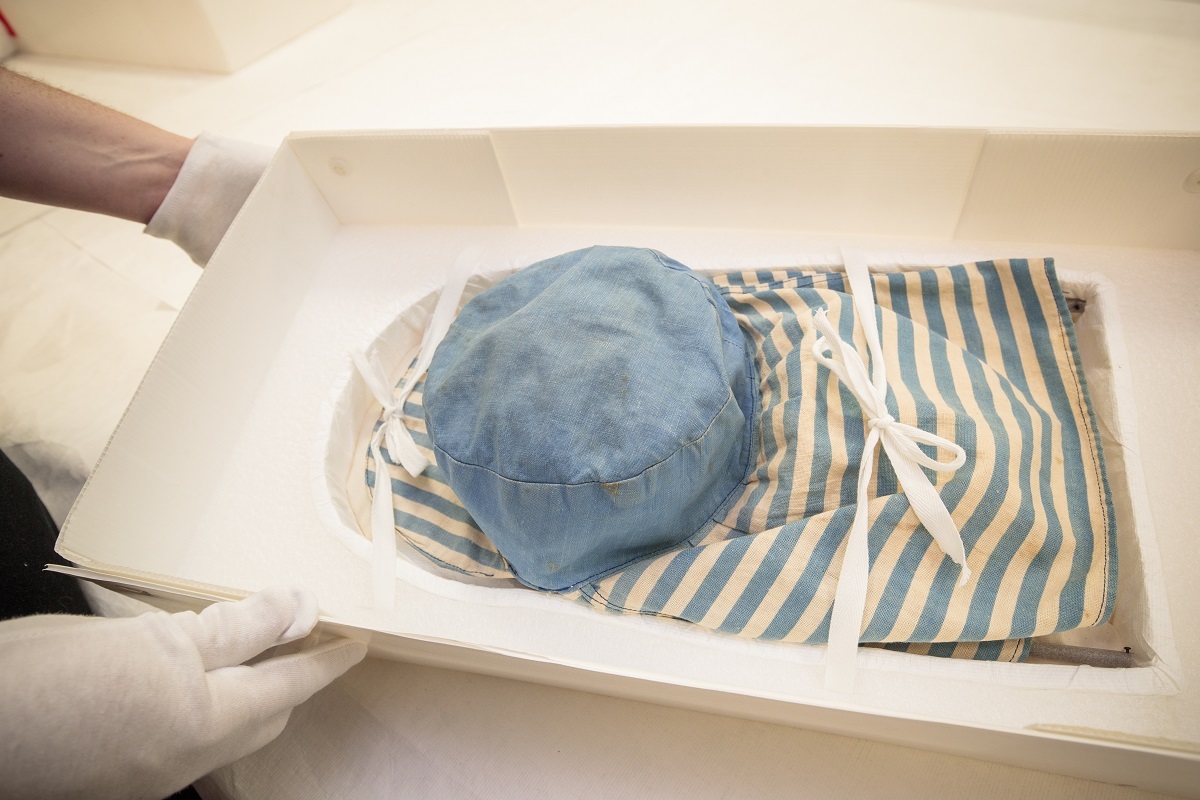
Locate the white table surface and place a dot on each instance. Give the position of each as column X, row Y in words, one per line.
column 75, row 287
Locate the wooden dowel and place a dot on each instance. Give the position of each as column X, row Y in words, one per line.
column 1088, row 656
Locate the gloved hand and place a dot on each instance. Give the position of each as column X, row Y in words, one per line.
column 214, row 182
column 141, row 707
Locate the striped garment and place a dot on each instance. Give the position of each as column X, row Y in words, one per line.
column 982, row 354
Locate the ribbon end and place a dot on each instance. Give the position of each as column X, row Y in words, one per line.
column 403, row 449
column 415, row 465
column 383, row 537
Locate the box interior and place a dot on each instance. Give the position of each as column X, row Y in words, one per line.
column 215, row 477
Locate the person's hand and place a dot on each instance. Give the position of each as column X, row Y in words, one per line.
column 66, row 151
column 141, row 707
column 217, row 177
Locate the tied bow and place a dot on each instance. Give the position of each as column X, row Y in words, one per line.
column 900, row 442
column 383, row 524
column 403, row 449
column 400, row 444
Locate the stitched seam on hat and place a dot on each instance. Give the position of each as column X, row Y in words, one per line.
column 682, row 544
column 705, row 285
column 751, row 463
column 728, row 400
column 415, row 539
column 447, row 565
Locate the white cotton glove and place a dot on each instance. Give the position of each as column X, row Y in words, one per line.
column 141, row 707
column 215, row 181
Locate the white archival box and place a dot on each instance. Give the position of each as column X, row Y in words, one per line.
column 230, row 469
column 212, row 35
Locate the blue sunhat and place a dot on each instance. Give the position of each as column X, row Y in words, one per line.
column 587, row 422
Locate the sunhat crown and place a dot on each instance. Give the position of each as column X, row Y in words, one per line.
column 587, row 422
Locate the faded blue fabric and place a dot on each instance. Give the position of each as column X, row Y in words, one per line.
column 591, row 410
column 985, row 352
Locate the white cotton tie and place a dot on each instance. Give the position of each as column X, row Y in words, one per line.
column 900, row 443
column 400, row 444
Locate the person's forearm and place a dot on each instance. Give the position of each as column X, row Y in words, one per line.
column 62, row 150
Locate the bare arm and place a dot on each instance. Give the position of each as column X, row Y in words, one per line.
column 62, row 150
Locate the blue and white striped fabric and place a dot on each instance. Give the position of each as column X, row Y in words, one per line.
column 982, row 354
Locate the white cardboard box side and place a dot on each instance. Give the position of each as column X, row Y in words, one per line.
column 201, row 453
column 175, row 456
column 1115, row 189
column 1154, row 765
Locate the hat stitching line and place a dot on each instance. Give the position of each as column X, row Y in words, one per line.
column 683, row 544
column 597, row 592
column 754, row 440
column 728, row 400
column 413, row 538
column 749, row 357
column 708, row 288
column 706, row 284
column 446, row 564
column 580, row 585
column 429, row 425
column 713, row 519
column 389, row 466
column 752, row 464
